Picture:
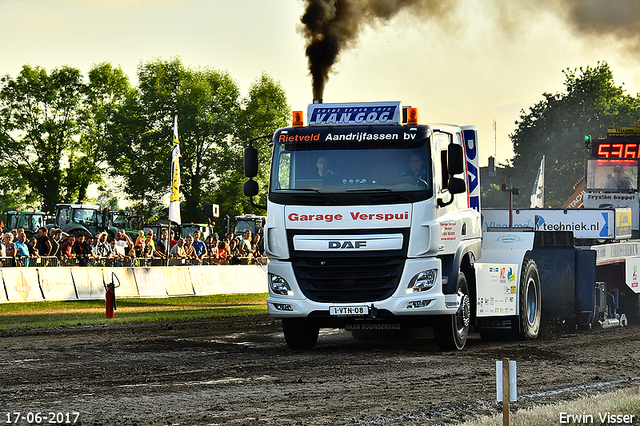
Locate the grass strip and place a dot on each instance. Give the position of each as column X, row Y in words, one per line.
column 88, row 312
column 607, row 408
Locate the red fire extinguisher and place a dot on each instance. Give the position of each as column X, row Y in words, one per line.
column 110, row 295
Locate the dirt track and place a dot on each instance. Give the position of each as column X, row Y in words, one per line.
column 238, row 371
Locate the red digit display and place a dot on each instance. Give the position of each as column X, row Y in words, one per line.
column 618, row 150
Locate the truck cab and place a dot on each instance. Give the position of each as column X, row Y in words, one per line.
column 372, row 223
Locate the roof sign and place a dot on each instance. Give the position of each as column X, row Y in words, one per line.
column 354, row 114
column 623, row 131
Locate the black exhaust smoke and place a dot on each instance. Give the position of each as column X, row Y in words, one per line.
column 330, row 26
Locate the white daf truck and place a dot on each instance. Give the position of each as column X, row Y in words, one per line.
column 373, row 223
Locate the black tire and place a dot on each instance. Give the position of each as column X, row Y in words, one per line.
column 452, row 331
column 300, row 333
column 530, row 301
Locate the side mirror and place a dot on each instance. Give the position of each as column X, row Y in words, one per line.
column 250, row 161
column 457, row 186
column 455, row 159
column 250, row 188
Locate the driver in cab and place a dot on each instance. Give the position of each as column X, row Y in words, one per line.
column 417, row 171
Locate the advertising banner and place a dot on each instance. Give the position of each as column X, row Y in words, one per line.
column 22, row 284
column 588, row 224
column 89, row 283
column 150, row 282
column 205, row 280
column 177, row 281
column 498, row 294
column 364, row 217
column 124, row 278
column 57, row 284
column 632, row 266
column 252, row 279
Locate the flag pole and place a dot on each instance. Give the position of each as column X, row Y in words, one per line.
column 174, row 197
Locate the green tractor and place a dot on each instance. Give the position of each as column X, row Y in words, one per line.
column 89, row 219
column 31, row 221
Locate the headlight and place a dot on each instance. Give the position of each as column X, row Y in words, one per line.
column 423, row 281
column 279, row 285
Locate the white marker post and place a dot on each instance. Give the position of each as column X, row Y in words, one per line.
column 506, row 386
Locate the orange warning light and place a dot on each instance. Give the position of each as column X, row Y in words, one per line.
column 412, row 116
column 298, row 121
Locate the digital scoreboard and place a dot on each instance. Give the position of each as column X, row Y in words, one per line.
column 622, row 143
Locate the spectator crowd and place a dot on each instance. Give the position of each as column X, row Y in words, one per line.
column 53, row 247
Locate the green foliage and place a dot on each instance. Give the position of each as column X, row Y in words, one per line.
column 494, row 197
column 214, row 123
column 60, row 134
column 556, row 127
column 48, row 128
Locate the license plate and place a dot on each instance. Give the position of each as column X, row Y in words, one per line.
column 344, row 311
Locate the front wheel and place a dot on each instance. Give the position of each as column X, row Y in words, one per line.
column 300, row 333
column 452, row 331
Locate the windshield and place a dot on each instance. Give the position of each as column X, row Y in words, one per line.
column 84, row 216
column 353, row 160
column 119, row 220
column 612, row 175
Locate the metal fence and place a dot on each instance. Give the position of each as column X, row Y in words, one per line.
column 46, row 261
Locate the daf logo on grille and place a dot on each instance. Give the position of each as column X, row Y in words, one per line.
column 347, row 244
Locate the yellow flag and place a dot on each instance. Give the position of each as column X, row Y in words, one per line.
column 174, row 197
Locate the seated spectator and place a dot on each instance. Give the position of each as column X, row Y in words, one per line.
column 56, row 243
column 33, row 249
column 199, row 247
column 211, row 244
column 190, row 252
column 173, row 240
column 68, row 251
column 21, row 245
column 234, row 253
column 161, row 246
column 244, row 248
column 22, row 251
column 150, row 244
column 114, row 250
column 140, row 242
column 103, row 249
column 82, row 249
column 43, row 243
column 124, row 245
column 223, row 251
column 9, row 246
column 255, row 247
column 178, row 251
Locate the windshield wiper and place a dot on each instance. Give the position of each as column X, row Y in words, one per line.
column 310, row 190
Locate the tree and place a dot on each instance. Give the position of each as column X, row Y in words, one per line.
column 556, row 127
column 39, row 114
column 213, row 120
column 52, row 128
column 264, row 111
column 106, row 90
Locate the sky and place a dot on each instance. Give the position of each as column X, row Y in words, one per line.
column 465, row 62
